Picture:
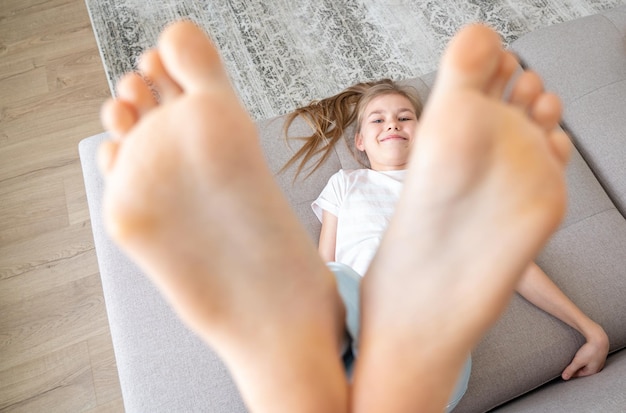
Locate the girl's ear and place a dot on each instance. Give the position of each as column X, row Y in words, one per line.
column 358, row 142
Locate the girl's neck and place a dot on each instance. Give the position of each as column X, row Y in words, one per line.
column 388, row 168
column 394, row 169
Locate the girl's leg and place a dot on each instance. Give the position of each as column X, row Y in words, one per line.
column 348, row 283
column 191, row 200
column 484, row 191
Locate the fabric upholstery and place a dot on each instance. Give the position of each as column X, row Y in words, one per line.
column 592, row 81
column 601, row 393
column 162, row 366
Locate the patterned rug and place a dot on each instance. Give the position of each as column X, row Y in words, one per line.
column 285, row 53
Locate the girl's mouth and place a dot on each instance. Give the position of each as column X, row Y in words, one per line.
column 393, row 137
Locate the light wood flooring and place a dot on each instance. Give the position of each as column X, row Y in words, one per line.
column 55, row 346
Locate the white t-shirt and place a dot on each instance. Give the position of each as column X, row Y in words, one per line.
column 363, row 200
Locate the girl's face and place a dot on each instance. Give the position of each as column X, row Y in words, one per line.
column 388, row 126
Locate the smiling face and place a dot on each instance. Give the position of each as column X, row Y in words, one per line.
column 386, row 131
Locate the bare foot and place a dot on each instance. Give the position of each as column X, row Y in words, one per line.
column 191, row 200
column 484, row 191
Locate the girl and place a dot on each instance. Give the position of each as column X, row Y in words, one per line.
column 356, row 206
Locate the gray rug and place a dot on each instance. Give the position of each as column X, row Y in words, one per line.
column 284, row 53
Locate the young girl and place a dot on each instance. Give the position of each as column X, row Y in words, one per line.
column 356, row 206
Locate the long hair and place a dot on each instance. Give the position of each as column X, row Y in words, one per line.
column 329, row 118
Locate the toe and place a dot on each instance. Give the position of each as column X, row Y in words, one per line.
column 472, row 59
column 107, row 153
column 118, row 117
column 134, row 90
column 190, row 58
column 503, row 76
column 546, row 110
column 527, row 88
column 561, row 145
column 152, row 68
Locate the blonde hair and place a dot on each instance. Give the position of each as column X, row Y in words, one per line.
column 329, row 118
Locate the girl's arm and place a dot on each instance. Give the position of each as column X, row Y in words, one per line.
column 328, row 236
column 536, row 287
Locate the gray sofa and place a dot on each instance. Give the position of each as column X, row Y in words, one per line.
column 165, row 368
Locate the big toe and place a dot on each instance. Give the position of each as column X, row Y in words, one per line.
column 472, row 59
column 191, row 58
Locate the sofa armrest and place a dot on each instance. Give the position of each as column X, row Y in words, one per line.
column 162, row 366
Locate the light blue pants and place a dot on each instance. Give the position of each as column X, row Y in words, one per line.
column 348, row 284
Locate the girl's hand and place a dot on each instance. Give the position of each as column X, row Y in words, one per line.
column 590, row 358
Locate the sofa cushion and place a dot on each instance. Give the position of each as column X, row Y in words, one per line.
column 599, row 122
column 601, row 393
column 592, row 81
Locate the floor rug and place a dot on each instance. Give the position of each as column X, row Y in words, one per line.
column 285, row 53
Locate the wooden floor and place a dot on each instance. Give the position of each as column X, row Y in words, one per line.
column 55, row 345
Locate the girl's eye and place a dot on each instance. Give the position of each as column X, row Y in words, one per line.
column 377, row 121
column 404, row 119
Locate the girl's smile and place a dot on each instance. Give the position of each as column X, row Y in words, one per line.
column 386, row 132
